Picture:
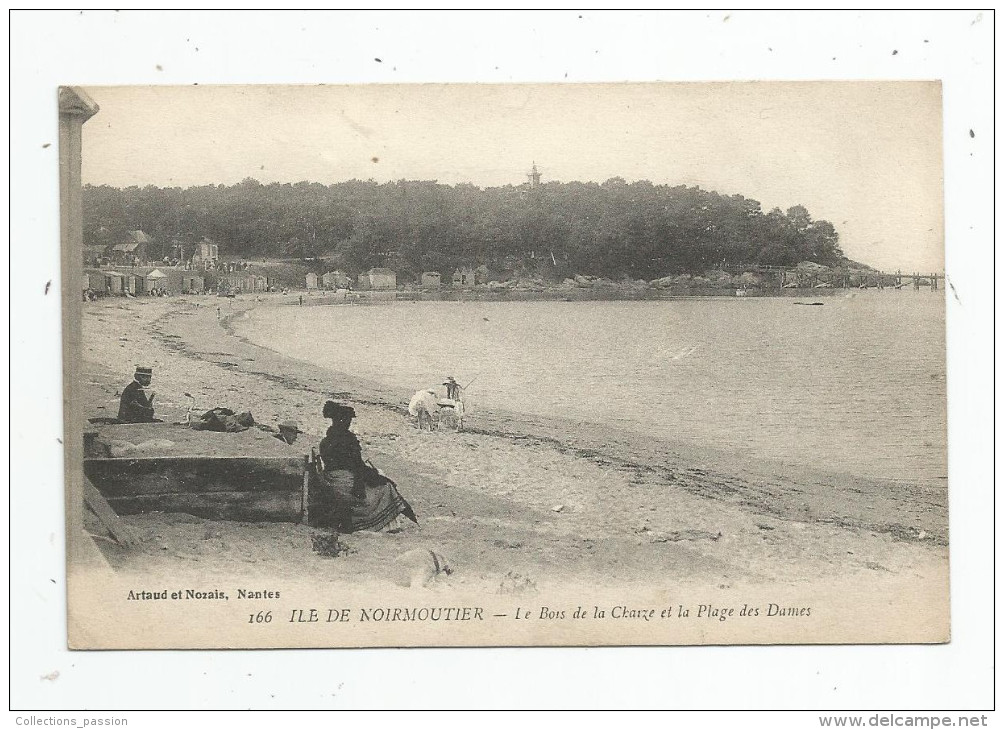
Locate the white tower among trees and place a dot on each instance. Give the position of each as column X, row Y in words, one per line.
column 533, row 176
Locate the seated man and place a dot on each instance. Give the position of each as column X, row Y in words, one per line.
column 136, row 406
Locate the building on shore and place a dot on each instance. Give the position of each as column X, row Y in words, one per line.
column 135, row 283
column 464, row 276
column 96, row 255
column 244, row 282
column 336, row 280
column 94, row 280
column 177, row 249
column 134, row 251
column 206, row 255
column 378, row 278
column 114, row 282
column 193, row 284
column 142, row 280
column 432, row 279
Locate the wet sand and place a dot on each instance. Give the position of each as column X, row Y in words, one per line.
column 517, row 503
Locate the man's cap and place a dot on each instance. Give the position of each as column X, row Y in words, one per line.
column 289, row 426
column 143, row 371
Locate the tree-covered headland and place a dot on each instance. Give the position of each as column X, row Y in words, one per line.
column 615, row 229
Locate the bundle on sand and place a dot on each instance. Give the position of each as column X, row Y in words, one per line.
column 224, row 420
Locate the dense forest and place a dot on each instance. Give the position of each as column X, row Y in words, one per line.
column 614, row 229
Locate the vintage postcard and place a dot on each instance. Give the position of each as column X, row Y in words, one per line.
column 504, row 365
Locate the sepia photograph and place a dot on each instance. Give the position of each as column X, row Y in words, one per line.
column 505, row 364
column 562, row 359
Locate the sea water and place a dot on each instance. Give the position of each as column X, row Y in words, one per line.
column 856, row 385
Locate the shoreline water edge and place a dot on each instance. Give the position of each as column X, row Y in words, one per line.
column 523, row 501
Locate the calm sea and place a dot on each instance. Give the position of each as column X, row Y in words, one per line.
column 856, row 385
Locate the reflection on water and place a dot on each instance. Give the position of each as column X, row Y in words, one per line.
column 856, row 385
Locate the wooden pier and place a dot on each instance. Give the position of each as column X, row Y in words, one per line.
column 795, row 278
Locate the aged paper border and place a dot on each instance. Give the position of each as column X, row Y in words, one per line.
column 958, row 536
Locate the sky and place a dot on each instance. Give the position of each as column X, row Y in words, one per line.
column 866, row 156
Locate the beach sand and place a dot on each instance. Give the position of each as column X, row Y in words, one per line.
column 517, row 503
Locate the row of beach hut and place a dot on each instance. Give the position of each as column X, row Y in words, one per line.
column 136, row 282
column 246, row 283
column 378, row 278
column 382, row 278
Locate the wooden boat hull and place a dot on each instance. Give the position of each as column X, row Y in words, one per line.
column 228, row 476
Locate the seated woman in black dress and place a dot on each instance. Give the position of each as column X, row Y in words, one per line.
column 354, row 495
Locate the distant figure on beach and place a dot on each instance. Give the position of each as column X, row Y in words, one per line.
column 453, row 388
column 355, row 495
column 136, row 406
column 452, row 407
column 301, row 300
column 219, row 312
column 423, row 407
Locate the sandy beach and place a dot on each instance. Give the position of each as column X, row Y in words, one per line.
column 517, row 503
